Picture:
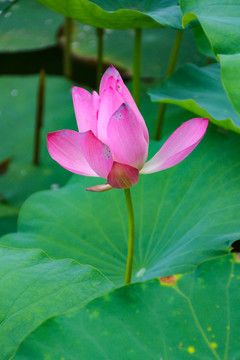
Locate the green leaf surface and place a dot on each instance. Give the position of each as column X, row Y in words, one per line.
column 35, row 288
column 156, row 48
column 120, row 14
column 27, row 25
column 4, row 5
column 184, row 215
column 8, row 218
column 17, row 116
column 220, row 20
column 195, row 318
column 202, row 42
column 199, row 90
column 230, row 71
column 173, row 118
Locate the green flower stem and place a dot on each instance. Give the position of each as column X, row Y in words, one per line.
column 100, row 34
column 131, row 237
column 39, row 118
column 136, row 82
column 67, row 65
column 170, row 70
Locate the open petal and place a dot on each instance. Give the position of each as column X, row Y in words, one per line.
column 112, row 79
column 99, row 188
column 123, row 176
column 64, row 147
column 126, row 139
column 86, row 108
column 97, row 154
column 110, row 102
column 179, row 145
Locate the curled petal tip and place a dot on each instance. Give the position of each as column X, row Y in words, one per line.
column 111, row 79
column 112, row 68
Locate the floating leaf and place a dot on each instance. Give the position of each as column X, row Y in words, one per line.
column 120, row 14
column 17, row 116
column 184, row 215
column 35, row 288
column 28, row 25
column 199, row 90
column 194, row 318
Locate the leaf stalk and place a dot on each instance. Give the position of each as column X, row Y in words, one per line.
column 67, row 64
column 39, row 118
column 100, row 35
column 170, row 70
column 136, row 81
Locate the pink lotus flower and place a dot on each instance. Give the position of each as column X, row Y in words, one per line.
column 113, row 139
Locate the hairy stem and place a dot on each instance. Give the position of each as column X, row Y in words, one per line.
column 131, row 237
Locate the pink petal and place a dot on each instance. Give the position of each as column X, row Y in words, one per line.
column 99, row 188
column 179, row 145
column 110, row 102
column 86, row 108
column 126, row 139
column 64, row 147
column 123, row 176
column 97, row 154
column 112, row 79
column 109, row 79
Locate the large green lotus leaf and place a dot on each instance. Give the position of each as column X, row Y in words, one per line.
column 27, row 25
column 184, row 215
column 199, row 90
column 156, row 48
column 195, row 318
column 120, row 14
column 35, row 288
column 220, row 20
column 17, row 116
